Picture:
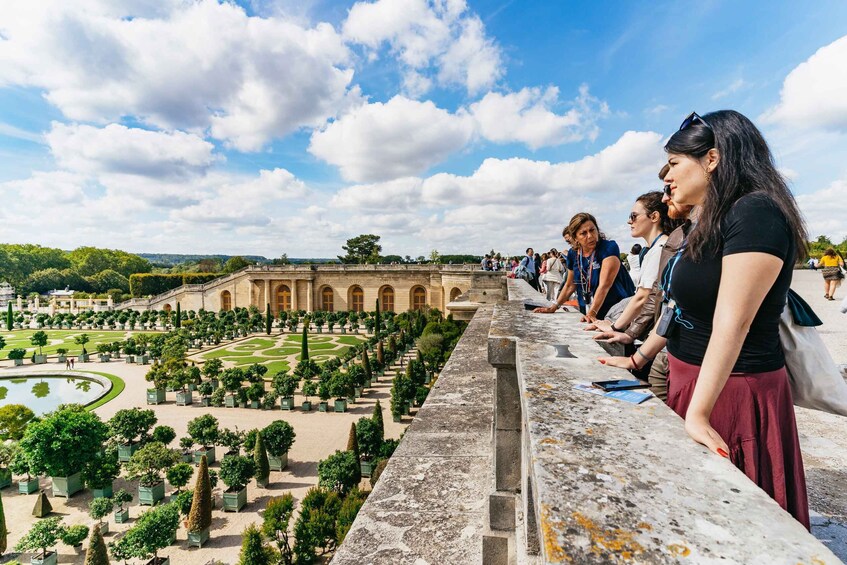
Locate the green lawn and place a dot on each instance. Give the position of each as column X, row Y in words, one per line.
column 60, row 338
column 117, row 387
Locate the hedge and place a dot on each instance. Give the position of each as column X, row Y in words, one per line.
column 144, row 284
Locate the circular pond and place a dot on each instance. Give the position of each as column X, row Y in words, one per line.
column 43, row 393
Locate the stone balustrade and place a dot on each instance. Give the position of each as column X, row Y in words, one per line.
column 507, row 463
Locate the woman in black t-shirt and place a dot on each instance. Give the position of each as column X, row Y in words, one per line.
column 726, row 291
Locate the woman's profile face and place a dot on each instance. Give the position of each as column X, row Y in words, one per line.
column 639, row 221
column 687, row 178
column 587, row 235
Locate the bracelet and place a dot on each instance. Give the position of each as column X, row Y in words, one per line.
column 634, row 364
column 642, row 354
column 592, row 313
column 614, row 329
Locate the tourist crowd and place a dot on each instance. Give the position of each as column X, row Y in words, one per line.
column 703, row 295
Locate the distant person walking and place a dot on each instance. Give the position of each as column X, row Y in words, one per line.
column 71, row 359
column 528, row 264
column 67, row 363
column 831, row 270
column 552, row 276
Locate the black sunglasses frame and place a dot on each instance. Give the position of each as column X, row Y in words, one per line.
column 693, row 118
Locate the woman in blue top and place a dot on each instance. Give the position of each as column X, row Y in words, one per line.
column 595, row 270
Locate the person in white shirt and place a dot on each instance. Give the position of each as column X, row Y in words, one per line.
column 634, row 260
column 552, row 277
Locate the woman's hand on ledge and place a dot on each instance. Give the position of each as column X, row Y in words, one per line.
column 614, row 337
column 599, row 326
column 546, row 309
column 622, row 362
column 701, row 431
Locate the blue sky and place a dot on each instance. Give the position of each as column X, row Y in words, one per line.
column 287, row 127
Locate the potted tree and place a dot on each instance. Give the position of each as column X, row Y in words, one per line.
column 39, row 339
column 255, row 392
column 100, row 473
column 180, row 380
column 73, row 536
column 62, row 352
column 357, row 376
column 62, row 443
column 212, row 370
column 200, row 515
column 232, row 440
column 205, row 432
column 206, row 389
column 129, row 427
column 285, row 385
column 99, row 508
column 278, row 438
column 324, row 394
column 260, row 458
column 159, row 377
column 231, row 380
column 187, row 445
column 44, row 534
column 122, row 497
column 8, row 450
column 103, row 351
column 154, row 531
column 341, row 387
column 81, row 340
column 17, row 355
column 178, row 476
column 369, row 440
column 236, row 472
column 20, row 465
column 309, row 388
column 146, row 466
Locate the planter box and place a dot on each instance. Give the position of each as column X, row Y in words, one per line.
column 254, row 404
column 105, row 358
column 84, row 357
column 306, row 406
column 155, row 396
column 39, row 359
column 263, row 483
column 160, row 561
column 122, row 516
column 366, row 467
column 62, row 359
column 5, row 478
column 142, row 359
column 357, row 392
column 67, row 486
column 104, row 527
column 188, row 457
column 125, row 451
column 205, row 401
column 129, row 359
column 323, row 406
column 286, row 403
column 105, row 492
column 19, row 362
column 406, row 408
column 230, row 401
column 50, row 558
column 278, row 463
column 230, row 454
column 235, row 501
column 198, row 538
column 28, row 487
column 184, row 398
column 367, row 383
column 151, row 495
column 340, row 405
column 209, row 453
column 396, row 417
column 242, row 404
column 215, row 383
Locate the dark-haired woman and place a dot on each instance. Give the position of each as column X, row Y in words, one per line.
column 595, row 271
column 831, row 265
column 727, row 288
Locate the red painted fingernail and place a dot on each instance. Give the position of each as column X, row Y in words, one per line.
column 602, row 362
column 723, row 453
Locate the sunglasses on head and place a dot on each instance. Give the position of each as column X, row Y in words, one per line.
column 693, row 118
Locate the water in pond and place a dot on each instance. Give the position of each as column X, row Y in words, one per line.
column 43, row 394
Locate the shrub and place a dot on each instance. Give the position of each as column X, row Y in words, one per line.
column 316, row 523
column 74, row 535
column 99, row 508
column 17, row 353
column 200, row 517
column 147, row 463
column 276, row 524
column 347, row 514
column 253, row 549
column 131, row 424
column 205, row 430
column 64, row 441
column 179, row 475
column 338, row 472
column 279, row 437
column 236, row 471
column 164, row 434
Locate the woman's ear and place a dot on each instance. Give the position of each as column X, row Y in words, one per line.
column 712, row 158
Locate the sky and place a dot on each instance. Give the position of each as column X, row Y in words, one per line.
column 279, row 126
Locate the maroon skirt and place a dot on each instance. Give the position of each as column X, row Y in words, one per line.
column 754, row 415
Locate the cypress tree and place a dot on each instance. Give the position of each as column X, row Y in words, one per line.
column 253, row 550
column 380, row 354
column 96, row 554
column 9, row 318
column 260, row 456
column 178, row 321
column 304, row 345
column 377, row 418
column 353, row 445
column 377, row 320
column 200, row 516
column 4, row 532
column 268, row 319
column 366, row 365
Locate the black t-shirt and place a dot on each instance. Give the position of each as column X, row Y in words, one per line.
column 753, row 224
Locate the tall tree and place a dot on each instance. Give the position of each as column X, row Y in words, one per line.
column 361, row 249
column 9, row 318
column 4, row 532
column 377, row 418
column 268, row 318
column 178, row 322
column 304, row 344
column 260, row 456
column 353, row 446
column 235, row 264
column 200, row 516
column 253, row 549
column 377, row 319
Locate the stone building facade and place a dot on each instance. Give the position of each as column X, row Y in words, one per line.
column 335, row 288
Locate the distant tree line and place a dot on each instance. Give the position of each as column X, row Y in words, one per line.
column 822, row 243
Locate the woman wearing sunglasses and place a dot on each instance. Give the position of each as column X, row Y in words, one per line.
column 726, row 290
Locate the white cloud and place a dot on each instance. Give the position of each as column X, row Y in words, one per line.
column 122, row 150
column 439, row 38
column 825, row 210
column 814, row 94
column 187, row 65
column 384, row 141
column 732, row 88
column 657, row 110
column 527, row 116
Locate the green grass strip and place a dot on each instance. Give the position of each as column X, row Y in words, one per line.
column 118, row 386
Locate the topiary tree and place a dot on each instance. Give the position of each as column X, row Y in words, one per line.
column 260, row 458
column 63, row 441
column 131, row 425
column 10, row 319
column 154, row 530
column 339, row 472
column 377, row 471
column 39, row 339
column 147, row 464
column 96, row 554
column 44, row 534
column 276, row 524
column 179, row 475
column 204, row 430
column 253, row 549
column 377, row 418
column 278, row 437
column 353, row 447
column 236, row 472
column 74, row 535
column 304, row 344
column 164, row 434
column 99, row 508
column 200, row 516
column 268, row 319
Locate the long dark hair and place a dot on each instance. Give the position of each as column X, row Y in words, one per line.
column 652, row 202
column 746, row 166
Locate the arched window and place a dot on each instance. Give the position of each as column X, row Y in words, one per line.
column 455, row 293
column 167, row 308
column 386, row 299
column 418, row 298
column 357, row 299
column 283, row 298
column 226, row 300
column 326, row 299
